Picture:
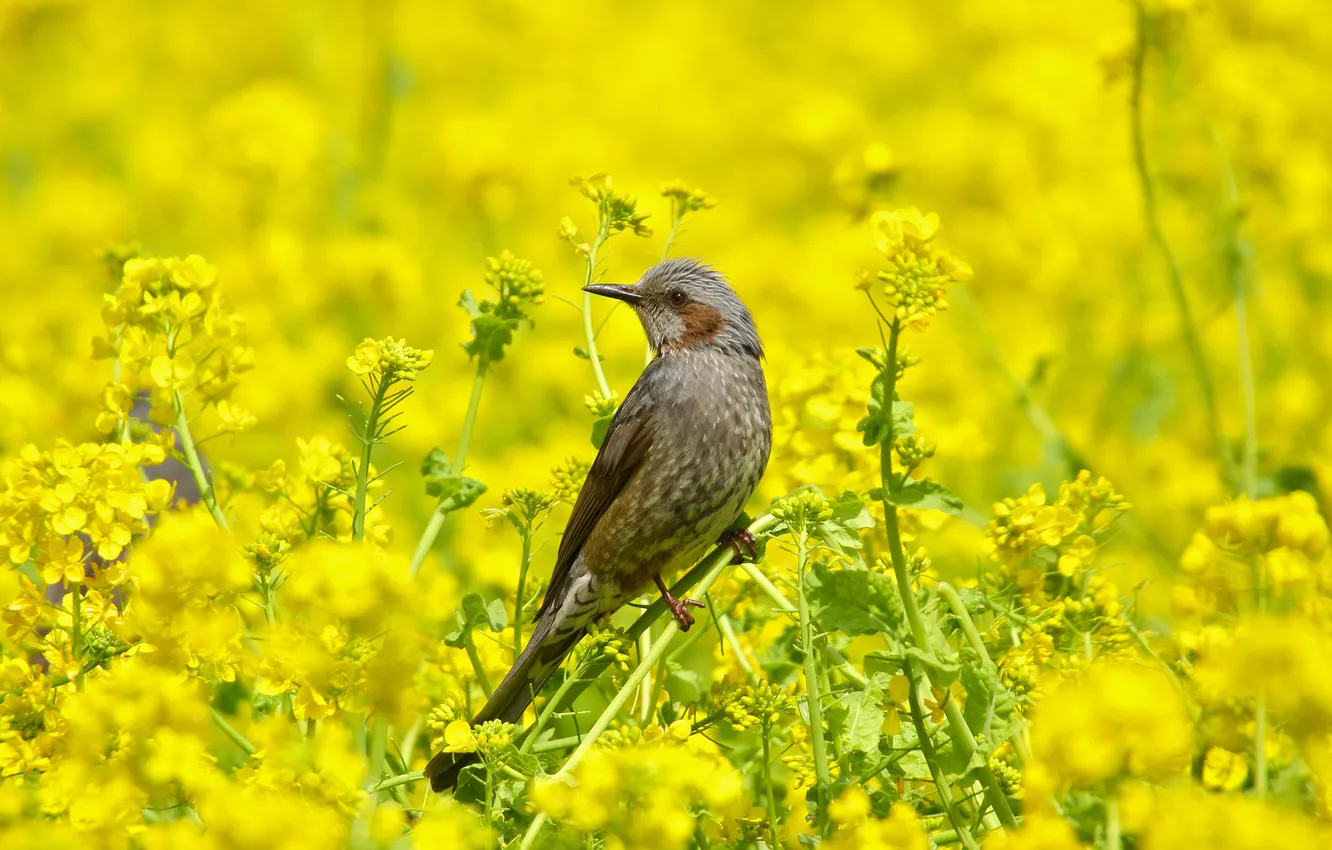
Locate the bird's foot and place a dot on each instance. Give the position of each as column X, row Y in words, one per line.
column 744, row 543
column 680, row 611
column 679, row 608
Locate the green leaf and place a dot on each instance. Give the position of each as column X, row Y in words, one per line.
column 990, row 709
column 862, row 723
column 924, row 495
column 600, row 428
column 454, row 491
column 854, row 601
column 491, row 333
column 473, row 612
column 875, row 426
column 684, row 686
column 850, row 517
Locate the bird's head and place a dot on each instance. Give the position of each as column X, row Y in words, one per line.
column 684, row 306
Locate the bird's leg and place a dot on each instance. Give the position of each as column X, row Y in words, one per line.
column 741, row 539
column 679, row 607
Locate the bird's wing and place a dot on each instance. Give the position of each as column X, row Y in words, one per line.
column 627, row 442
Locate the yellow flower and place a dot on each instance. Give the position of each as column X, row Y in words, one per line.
column 1224, row 770
column 857, row 829
column 1113, row 720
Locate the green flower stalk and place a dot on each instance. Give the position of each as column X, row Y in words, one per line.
column 517, row 286
column 387, row 369
column 616, row 212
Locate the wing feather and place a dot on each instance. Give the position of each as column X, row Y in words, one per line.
column 627, row 442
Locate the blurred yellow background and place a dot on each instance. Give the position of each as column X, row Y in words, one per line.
column 349, row 166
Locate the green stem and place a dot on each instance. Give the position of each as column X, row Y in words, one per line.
column 1260, row 710
column 969, row 631
column 589, row 335
column 378, row 747
column 647, row 691
column 1157, row 236
column 522, row 584
column 941, row 786
column 767, row 786
column 813, row 699
column 230, row 731
column 473, row 656
column 558, row 744
column 1238, row 253
column 547, row 712
column 765, row 584
column 958, row 731
column 732, row 639
column 473, row 407
column 368, row 440
column 436, row 522
column 76, row 639
column 427, row 541
column 398, row 781
column 206, row 492
column 1113, row 841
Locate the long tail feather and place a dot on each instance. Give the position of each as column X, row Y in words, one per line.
column 539, row 660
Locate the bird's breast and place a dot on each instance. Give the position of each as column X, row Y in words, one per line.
column 712, row 436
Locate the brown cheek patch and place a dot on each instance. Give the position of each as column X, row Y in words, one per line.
column 702, row 322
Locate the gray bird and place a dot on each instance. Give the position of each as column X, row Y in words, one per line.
column 680, row 460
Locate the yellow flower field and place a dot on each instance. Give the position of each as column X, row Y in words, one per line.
column 298, row 385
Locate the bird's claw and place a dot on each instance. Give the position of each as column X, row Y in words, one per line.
column 742, row 539
column 680, row 611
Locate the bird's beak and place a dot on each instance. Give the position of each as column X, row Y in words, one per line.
column 619, row 291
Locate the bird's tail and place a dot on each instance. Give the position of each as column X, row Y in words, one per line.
column 535, row 665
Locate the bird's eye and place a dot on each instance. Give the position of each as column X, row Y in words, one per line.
column 678, row 298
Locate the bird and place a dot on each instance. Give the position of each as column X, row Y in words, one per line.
column 681, row 458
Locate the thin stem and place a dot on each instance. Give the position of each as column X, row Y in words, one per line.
column 1238, row 254
column 813, row 699
column 482, row 679
column 1157, row 236
column 230, row 731
column 206, row 492
column 589, row 335
column 941, row 786
column 436, row 522
column 473, row 407
column 427, row 541
column 398, row 781
column 767, row 786
column 558, row 744
column 1260, row 710
column 647, row 691
column 958, row 731
column 733, row 640
column 547, row 712
column 378, row 747
column 969, row 631
column 368, row 439
column 765, row 584
column 76, row 639
column 1113, row 841
column 522, row 584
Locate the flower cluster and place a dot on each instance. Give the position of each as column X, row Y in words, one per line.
column 748, row 706
column 53, row 499
column 918, row 274
column 172, row 334
column 644, row 796
column 388, row 360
